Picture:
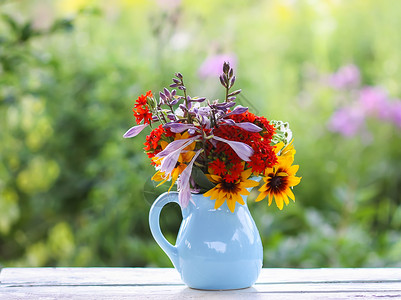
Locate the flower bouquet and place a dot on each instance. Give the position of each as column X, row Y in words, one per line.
column 215, row 148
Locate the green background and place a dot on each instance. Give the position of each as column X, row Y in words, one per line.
column 71, row 188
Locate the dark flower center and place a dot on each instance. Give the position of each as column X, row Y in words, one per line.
column 276, row 182
column 229, row 186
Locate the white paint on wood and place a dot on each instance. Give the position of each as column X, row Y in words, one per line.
column 153, row 283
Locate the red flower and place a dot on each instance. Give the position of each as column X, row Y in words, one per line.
column 153, row 138
column 152, row 144
column 268, row 131
column 141, row 110
column 231, row 178
column 218, row 167
column 236, row 170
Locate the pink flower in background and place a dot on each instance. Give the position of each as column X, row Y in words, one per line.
column 375, row 102
column 396, row 112
column 347, row 121
column 365, row 102
column 346, row 77
column 212, row 65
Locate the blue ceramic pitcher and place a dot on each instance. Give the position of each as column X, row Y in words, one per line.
column 215, row 248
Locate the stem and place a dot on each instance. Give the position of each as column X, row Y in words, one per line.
column 186, row 103
column 214, row 119
column 161, row 114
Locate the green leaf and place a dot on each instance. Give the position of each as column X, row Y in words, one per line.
column 201, row 180
column 151, row 191
column 11, row 22
column 26, row 32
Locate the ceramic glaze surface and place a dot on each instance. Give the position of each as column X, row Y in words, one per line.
column 215, row 249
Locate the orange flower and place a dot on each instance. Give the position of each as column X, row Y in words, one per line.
column 141, row 110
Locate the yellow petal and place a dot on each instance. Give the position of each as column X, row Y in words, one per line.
column 279, row 201
column 245, row 174
column 285, row 162
column 261, row 196
column 264, row 188
column 209, row 193
column 251, row 183
column 243, row 190
column 267, row 172
column 285, row 198
column 237, row 198
column 288, row 149
column 157, row 176
column 290, row 194
column 163, row 144
column 213, row 178
column 231, row 205
column 241, row 201
column 293, row 169
column 270, row 199
column 219, row 202
column 278, row 147
column 293, row 181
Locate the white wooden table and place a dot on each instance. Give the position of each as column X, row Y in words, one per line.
column 153, row 283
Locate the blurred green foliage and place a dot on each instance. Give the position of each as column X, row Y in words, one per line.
column 71, row 189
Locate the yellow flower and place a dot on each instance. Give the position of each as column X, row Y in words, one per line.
column 288, row 150
column 278, row 181
column 187, row 153
column 231, row 192
column 161, row 176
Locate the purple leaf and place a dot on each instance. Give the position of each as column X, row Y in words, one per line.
column 134, row 131
column 183, row 184
column 232, row 81
column 172, row 153
column 167, row 93
column 184, row 196
column 178, row 127
column 169, row 162
column 163, row 96
column 183, row 107
column 229, row 121
column 222, row 81
column 243, row 150
column 249, row 126
column 174, row 101
column 238, row 110
column 198, row 99
column 203, row 111
column 177, row 145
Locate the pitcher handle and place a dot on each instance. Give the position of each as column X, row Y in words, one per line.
column 154, row 218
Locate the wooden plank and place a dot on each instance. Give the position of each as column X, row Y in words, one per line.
column 289, row 291
column 89, row 276
column 329, row 275
column 158, row 276
column 151, row 283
